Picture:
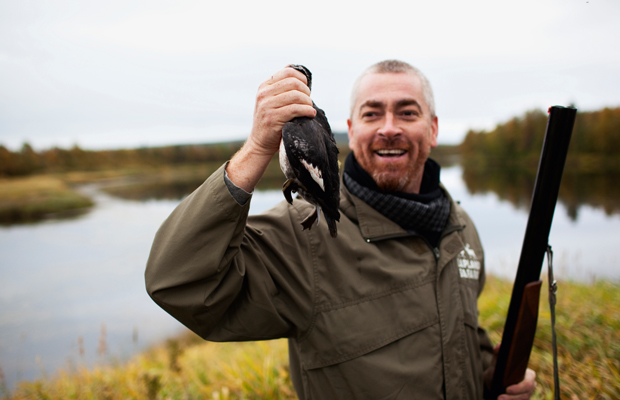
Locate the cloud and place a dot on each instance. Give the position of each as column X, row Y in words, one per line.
column 138, row 73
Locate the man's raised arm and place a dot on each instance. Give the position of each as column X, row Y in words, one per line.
column 195, row 270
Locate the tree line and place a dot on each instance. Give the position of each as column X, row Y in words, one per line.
column 595, row 145
column 27, row 161
column 595, row 142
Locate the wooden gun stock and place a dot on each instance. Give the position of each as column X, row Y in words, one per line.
column 525, row 330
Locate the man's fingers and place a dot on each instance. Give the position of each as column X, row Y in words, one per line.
column 284, row 97
column 289, row 98
column 288, row 72
column 283, row 89
column 287, row 79
column 289, row 84
column 278, row 115
column 523, row 389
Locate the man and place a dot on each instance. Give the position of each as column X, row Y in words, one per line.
column 387, row 310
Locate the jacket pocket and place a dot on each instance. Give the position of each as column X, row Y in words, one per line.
column 347, row 331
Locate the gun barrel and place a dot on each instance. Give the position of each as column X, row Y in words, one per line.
column 546, row 189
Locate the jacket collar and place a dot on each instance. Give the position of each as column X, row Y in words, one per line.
column 375, row 226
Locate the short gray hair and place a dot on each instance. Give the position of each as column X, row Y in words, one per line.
column 396, row 67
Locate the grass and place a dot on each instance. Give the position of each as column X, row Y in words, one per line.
column 588, row 336
column 33, row 198
column 181, row 368
column 588, row 325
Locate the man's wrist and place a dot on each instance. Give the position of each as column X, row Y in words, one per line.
column 247, row 167
column 240, row 195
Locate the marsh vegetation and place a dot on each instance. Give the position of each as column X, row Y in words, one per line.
column 588, row 325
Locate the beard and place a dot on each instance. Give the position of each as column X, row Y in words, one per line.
column 388, row 181
column 394, row 177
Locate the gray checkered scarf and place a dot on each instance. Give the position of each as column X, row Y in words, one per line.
column 409, row 214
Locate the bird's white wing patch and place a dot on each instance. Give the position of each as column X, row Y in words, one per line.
column 285, row 166
column 315, row 173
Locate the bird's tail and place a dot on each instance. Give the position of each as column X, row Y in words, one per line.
column 331, row 223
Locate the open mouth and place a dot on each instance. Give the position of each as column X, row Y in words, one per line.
column 390, row 152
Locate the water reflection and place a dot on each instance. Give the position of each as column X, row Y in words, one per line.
column 158, row 190
column 598, row 190
column 578, row 189
column 174, row 189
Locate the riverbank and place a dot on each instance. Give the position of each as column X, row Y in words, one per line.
column 588, row 325
column 34, row 198
column 57, row 195
column 38, row 197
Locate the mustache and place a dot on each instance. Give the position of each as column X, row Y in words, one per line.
column 393, row 142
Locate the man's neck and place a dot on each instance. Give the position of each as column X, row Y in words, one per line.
column 428, row 182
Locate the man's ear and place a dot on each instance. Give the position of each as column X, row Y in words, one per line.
column 434, row 132
column 350, row 133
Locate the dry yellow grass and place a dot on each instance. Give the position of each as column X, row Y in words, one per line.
column 588, row 337
column 31, row 198
column 588, row 323
column 178, row 369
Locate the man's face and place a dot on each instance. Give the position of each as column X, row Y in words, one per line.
column 392, row 131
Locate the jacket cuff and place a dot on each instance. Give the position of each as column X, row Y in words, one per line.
column 240, row 195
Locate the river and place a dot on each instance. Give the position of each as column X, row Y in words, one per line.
column 72, row 291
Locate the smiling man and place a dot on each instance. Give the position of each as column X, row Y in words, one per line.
column 393, row 126
column 388, row 309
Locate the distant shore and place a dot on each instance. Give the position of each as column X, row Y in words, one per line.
column 51, row 191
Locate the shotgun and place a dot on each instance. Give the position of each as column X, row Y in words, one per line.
column 520, row 326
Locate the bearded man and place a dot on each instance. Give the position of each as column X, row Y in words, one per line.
column 388, row 309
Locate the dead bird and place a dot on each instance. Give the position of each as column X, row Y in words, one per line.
column 309, row 160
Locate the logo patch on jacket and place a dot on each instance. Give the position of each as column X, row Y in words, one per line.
column 469, row 265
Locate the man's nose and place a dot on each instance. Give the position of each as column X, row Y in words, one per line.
column 389, row 127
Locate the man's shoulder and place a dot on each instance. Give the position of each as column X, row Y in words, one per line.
column 456, row 207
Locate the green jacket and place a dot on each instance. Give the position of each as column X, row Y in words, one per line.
column 373, row 314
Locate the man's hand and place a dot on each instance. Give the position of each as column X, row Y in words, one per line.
column 280, row 98
column 519, row 391
column 522, row 390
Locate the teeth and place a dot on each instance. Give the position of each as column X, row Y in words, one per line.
column 390, row 152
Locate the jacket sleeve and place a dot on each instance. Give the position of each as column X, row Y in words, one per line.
column 228, row 278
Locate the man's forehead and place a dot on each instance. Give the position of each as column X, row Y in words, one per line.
column 381, row 89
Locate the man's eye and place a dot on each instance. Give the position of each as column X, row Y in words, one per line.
column 369, row 114
column 410, row 113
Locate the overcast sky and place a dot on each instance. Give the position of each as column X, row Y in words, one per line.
column 111, row 74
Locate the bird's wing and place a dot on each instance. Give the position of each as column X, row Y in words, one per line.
column 305, row 147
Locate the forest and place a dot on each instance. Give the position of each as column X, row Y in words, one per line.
column 504, row 160
column 27, row 161
column 595, row 145
column 595, row 142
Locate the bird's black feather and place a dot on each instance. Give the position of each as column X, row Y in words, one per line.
column 311, row 141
